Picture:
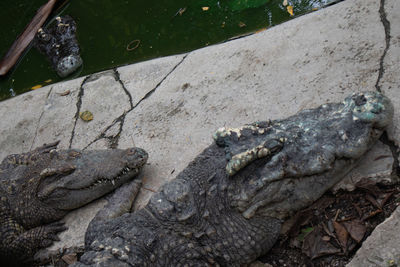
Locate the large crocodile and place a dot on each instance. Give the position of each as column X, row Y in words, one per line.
column 227, row 206
column 38, row 188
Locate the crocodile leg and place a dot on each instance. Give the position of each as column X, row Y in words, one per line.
column 119, row 203
column 21, row 244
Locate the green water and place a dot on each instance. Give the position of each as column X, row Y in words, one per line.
column 106, row 28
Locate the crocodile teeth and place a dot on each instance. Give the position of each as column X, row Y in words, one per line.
column 113, row 182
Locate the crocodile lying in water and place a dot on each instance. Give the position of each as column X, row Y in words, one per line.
column 40, row 187
column 59, row 44
column 226, row 208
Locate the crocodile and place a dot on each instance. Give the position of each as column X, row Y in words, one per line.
column 227, row 206
column 59, row 44
column 40, row 187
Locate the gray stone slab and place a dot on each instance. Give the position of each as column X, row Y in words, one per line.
column 19, row 122
column 376, row 165
column 300, row 64
column 382, row 247
column 391, row 74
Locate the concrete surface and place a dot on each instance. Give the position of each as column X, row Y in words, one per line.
column 171, row 106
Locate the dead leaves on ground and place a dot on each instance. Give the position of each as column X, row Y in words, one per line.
column 324, row 230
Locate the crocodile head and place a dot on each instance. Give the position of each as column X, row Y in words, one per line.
column 301, row 157
column 73, row 178
column 370, row 107
column 59, row 44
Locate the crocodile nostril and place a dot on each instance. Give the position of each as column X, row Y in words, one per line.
column 377, row 109
column 359, row 100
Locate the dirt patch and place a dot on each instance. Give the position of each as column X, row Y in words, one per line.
column 331, row 231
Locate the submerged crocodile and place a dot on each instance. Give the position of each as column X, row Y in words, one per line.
column 38, row 188
column 227, row 206
column 59, row 44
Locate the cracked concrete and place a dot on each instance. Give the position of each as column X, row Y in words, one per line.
column 171, row 106
column 140, row 80
column 386, row 26
column 106, row 99
column 391, row 77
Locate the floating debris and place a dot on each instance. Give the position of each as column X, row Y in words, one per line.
column 205, row 8
column 242, row 24
column 180, row 11
column 36, row 87
column 290, row 10
column 133, row 45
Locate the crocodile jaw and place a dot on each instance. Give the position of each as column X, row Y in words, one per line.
column 67, row 198
column 92, row 175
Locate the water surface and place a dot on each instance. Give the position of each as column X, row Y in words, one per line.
column 109, row 30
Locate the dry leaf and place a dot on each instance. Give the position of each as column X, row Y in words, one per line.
column 36, row 87
column 373, row 201
column 356, row 229
column 47, row 81
column 260, row 30
column 65, row 93
column 205, row 8
column 181, row 10
column 86, row 115
column 290, row 10
column 70, row 258
column 326, row 238
column 342, row 235
column 314, row 246
column 369, row 186
column 242, row 24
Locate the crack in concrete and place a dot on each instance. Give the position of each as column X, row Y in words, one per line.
column 40, row 118
column 114, row 139
column 78, row 109
column 163, row 79
column 385, row 138
column 118, row 79
column 386, row 26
